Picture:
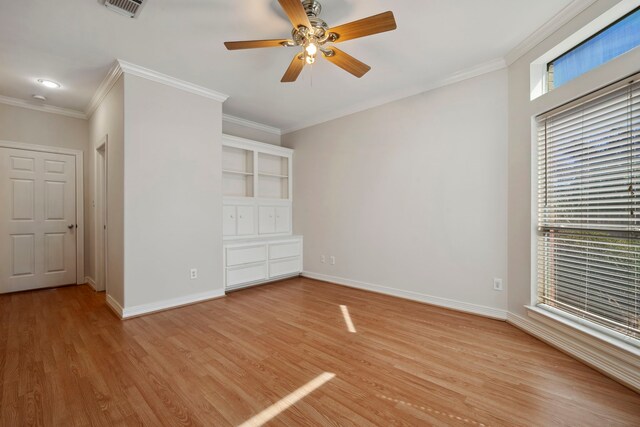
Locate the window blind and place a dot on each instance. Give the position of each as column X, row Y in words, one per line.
column 588, row 256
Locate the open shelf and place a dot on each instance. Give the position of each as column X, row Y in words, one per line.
column 237, row 172
column 273, row 175
column 273, row 165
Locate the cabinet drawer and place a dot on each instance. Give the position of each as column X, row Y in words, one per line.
column 284, row 250
column 246, row 255
column 284, row 267
column 246, row 274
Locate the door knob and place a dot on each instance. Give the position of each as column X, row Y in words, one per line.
column 70, row 227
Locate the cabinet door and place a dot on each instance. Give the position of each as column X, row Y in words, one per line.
column 283, row 219
column 267, row 220
column 245, row 220
column 229, row 220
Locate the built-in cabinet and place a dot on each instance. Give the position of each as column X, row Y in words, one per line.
column 257, row 213
column 251, row 262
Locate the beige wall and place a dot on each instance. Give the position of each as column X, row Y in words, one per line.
column 108, row 120
column 172, row 193
column 19, row 124
column 411, row 196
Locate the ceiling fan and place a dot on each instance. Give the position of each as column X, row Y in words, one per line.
column 312, row 33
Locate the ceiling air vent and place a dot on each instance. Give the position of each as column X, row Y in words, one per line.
column 129, row 8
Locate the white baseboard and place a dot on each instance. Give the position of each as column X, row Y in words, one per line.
column 611, row 361
column 91, row 282
column 115, row 306
column 139, row 310
column 481, row 310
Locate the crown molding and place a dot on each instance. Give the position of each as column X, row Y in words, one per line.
column 469, row 73
column 253, row 125
column 570, row 11
column 105, row 86
column 145, row 73
column 42, row 107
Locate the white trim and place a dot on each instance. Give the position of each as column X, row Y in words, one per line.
column 459, row 76
column 145, row 73
column 89, row 281
column 481, row 310
column 79, row 185
column 139, row 310
column 238, row 142
column 475, row 71
column 103, row 90
column 42, row 107
column 249, row 124
column 621, row 365
column 115, row 306
column 572, row 10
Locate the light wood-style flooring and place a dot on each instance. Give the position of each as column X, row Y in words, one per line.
column 283, row 354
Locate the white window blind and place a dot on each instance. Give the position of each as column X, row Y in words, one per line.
column 588, row 259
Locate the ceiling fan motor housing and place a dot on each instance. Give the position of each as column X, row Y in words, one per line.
column 319, row 31
column 312, row 7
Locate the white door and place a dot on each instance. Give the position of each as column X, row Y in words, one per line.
column 37, row 220
column 267, row 220
column 246, row 220
column 228, row 220
column 283, row 219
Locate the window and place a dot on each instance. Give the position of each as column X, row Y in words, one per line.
column 588, row 256
column 616, row 39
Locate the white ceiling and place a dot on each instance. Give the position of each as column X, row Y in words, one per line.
column 75, row 42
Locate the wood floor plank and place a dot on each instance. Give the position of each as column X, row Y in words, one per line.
column 65, row 359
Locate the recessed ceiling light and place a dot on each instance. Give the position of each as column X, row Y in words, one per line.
column 49, row 83
column 39, row 97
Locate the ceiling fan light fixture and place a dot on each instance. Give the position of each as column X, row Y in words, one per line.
column 311, row 49
column 312, row 33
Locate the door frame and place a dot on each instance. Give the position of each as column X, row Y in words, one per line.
column 78, row 154
column 101, row 214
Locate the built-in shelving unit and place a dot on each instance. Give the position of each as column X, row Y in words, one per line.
column 256, row 213
column 237, row 171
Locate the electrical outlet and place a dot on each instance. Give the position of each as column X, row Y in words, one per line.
column 497, row 284
column 194, row 273
column 333, row 260
column 323, row 259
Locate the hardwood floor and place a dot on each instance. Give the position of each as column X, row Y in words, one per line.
column 66, row 360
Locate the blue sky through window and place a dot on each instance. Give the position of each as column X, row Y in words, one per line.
column 615, row 40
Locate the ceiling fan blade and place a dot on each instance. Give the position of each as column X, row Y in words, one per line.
column 365, row 27
column 295, row 12
column 253, row 44
column 292, row 73
column 347, row 62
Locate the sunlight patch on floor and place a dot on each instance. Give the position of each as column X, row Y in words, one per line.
column 347, row 319
column 287, row 401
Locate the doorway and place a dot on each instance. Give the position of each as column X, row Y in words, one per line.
column 41, row 232
column 101, row 216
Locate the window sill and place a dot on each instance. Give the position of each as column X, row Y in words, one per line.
column 587, row 330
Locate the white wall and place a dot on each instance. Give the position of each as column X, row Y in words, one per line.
column 108, row 119
column 173, row 200
column 241, row 131
column 411, row 195
column 19, row 124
